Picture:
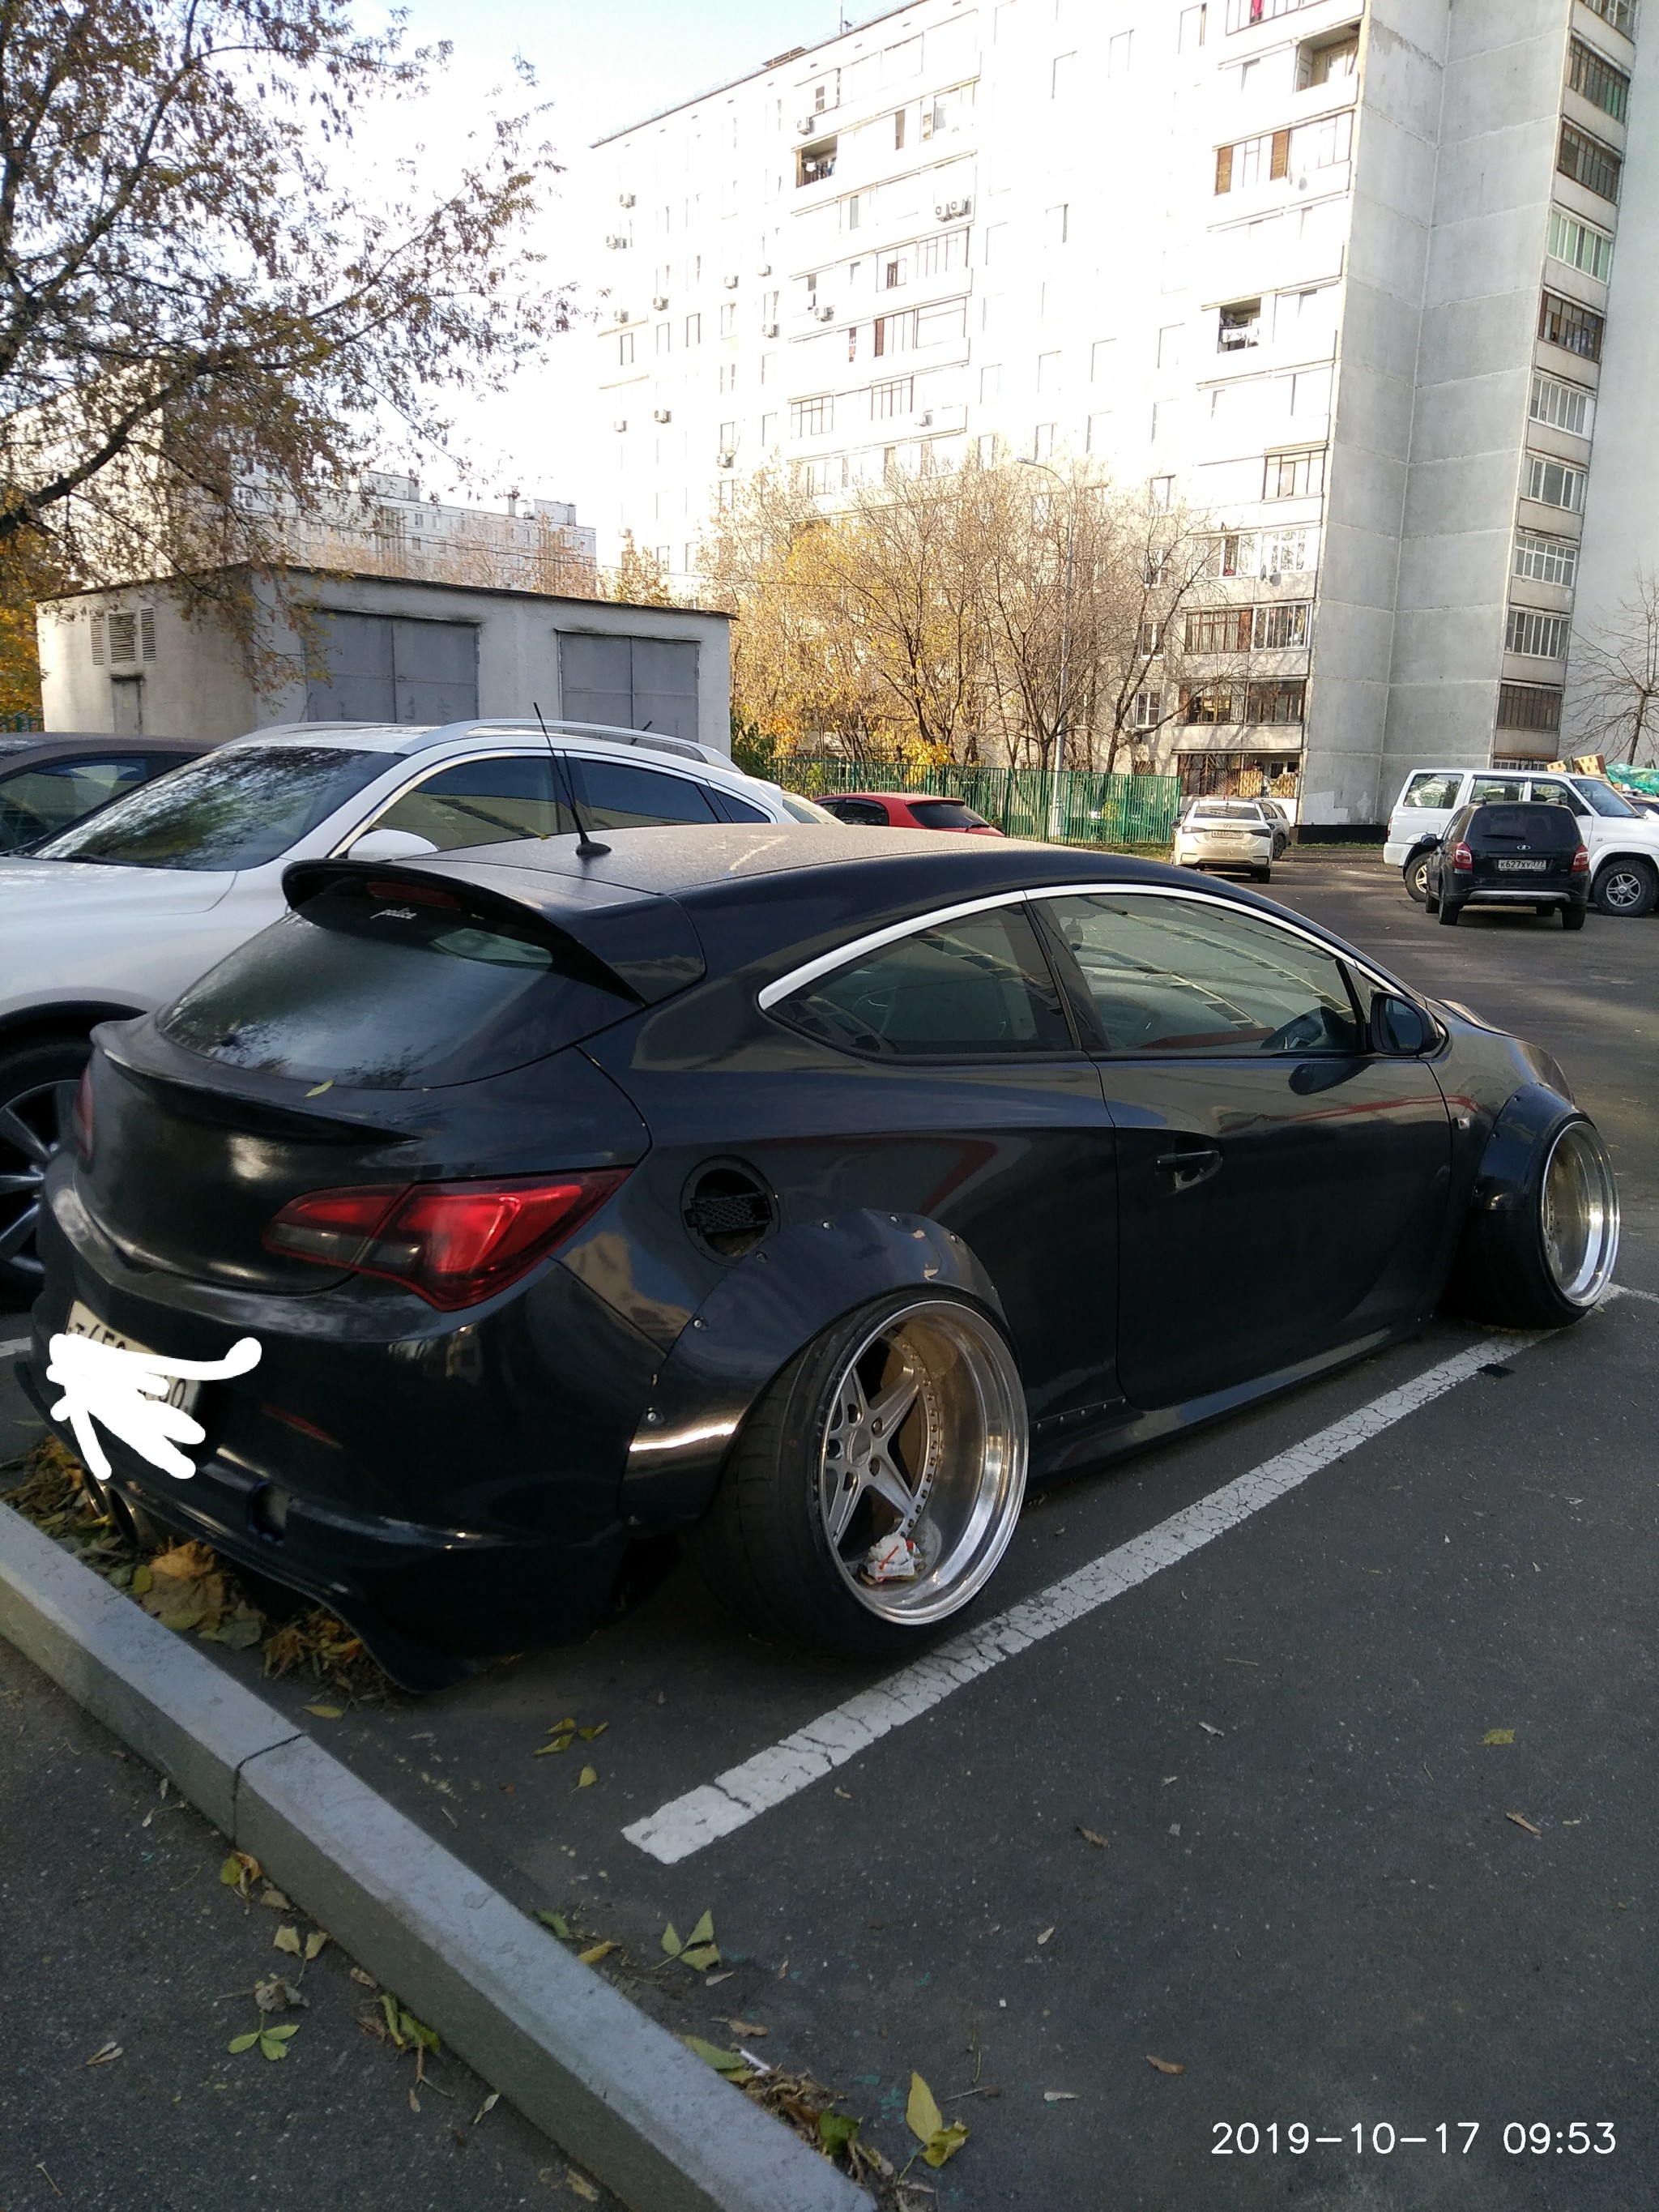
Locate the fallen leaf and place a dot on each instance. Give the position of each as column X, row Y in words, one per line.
column 272, row 1896
column 414, row 2102
column 141, row 1581
column 700, row 1957
column 106, row 2051
column 723, row 2062
column 714, row 1980
column 837, row 2130
column 704, row 1930
column 1210, row 1729
column 593, row 1955
column 1060, row 2096
column 588, row 1775
column 1046, row 1933
column 556, row 1922
column 327, row 1712
column 241, row 1869
column 1521, row 1821
column 1100, row 1843
column 367, row 1980
column 314, row 1943
column 1499, row 1735
column 559, row 1743
column 1164, row 2065
column 583, row 2187
column 940, row 2140
column 273, row 2041
column 241, row 2043
column 487, row 2106
column 588, row 1735
column 275, row 1994
column 318, row 1088
column 747, row 2028
column 287, row 1939
column 671, row 1942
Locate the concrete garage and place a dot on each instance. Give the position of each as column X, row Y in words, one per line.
column 378, row 649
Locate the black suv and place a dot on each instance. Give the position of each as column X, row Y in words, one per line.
column 1510, row 855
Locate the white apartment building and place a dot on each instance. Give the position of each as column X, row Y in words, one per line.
column 1334, row 273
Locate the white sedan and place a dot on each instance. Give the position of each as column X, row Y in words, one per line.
column 115, row 915
column 1225, row 833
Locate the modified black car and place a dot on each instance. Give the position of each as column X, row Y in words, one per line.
column 1522, row 856
column 801, row 1204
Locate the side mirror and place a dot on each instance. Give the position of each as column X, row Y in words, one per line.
column 1399, row 1030
column 390, row 845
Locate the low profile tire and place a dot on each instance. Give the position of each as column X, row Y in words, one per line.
column 902, row 1427
column 1627, row 888
column 1543, row 1256
column 1448, row 910
column 38, row 1083
column 1572, row 917
column 1415, row 877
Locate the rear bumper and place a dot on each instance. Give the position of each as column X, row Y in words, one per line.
column 447, row 1483
column 1533, row 895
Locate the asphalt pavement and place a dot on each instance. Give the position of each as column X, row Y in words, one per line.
column 1338, row 1827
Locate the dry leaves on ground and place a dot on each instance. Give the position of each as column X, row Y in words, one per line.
column 699, row 1951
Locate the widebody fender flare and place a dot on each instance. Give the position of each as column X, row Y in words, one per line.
column 771, row 1306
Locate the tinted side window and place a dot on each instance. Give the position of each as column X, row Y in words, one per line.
column 978, row 988
column 737, row 810
column 618, row 796
column 1485, row 788
column 51, row 795
column 1185, row 976
column 482, row 802
column 1430, row 790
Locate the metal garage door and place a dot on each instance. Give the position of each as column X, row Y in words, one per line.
column 633, row 683
column 385, row 668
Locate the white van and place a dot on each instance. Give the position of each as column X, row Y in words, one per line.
column 1623, row 841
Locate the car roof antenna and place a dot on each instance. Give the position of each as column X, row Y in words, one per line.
column 588, row 847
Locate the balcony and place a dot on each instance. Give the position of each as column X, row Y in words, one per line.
column 1245, row 15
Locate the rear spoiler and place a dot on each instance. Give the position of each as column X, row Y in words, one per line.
column 637, row 944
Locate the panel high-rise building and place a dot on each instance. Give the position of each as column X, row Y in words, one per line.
column 1334, row 273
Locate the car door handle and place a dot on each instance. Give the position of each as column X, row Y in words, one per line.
column 1193, row 1163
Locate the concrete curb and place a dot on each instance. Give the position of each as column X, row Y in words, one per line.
column 609, row 2085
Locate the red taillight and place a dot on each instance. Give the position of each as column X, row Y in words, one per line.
column 452, row 1242
column 81, row 1122
column 1462, row 858
column 1581, row 861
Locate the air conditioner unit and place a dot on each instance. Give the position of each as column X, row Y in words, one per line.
column 765, row 269
column 805, row 126
column 621, row 423
column 625, row 314
column 948, row 209
column 924, row 418
column 662, row 414
column 731, row 283
column 624, row 199
column 826, row 315
column 768, row 330
column 614, row 241
column 727, row 457
column 660, row 302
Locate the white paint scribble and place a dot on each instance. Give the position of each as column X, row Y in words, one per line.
column 127, row 1392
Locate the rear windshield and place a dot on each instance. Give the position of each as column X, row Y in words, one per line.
column 233, row 810
column 387, row 986
column 947, row 814
column 1225, row 810
column 1531, row 825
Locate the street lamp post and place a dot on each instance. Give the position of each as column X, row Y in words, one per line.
column 1057, row 810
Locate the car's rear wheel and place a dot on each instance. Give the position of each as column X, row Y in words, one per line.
column 876, row 1485
column 1542, row 1255
column 1415, row 877
column 1572, row 915
column 1449, row 909
column 1262, row 875
column 37, row 1096
column 1628, row 888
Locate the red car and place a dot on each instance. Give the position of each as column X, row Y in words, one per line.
column 895, row 810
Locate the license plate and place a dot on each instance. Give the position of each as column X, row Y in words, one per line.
column 83, row 1321
column 1520, row 867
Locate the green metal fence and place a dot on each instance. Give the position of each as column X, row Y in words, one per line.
column 1071, row 805
column 12, row 723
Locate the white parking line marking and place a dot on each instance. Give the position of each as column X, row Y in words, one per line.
column 15, row 1344
column 1630, row 1291
column 715, row 1808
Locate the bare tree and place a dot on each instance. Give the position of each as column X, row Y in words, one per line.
column 1617, row 660
column 200, row 326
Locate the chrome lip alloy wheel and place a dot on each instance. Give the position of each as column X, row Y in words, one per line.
column 33, row 1126
column 922, row 1463
column 1579, row 1214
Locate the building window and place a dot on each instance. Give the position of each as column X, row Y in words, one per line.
column 665, row 338
column 1057, row 223
column 625, row 350
column 1219, row 629
column 1284, row 553
column 1542, row 637
column 1577, row 330
column 1276, row 702
column 1553, row 483
column 899, row 114
column 1048, row 372
column 1621, row 14
column 728, row 376
column 1294, row 476
column 728, row 318
column 1528, row 706
column 1251, row 161
column 1161, row 492
column 1043, row 442
column 935, row 256
column 693, row 330
column 728, row 435
column 1148, row 640
column 1240, row 326
column 1563, row 406
column 897, row 396
column 895, row 334
column 814, row 163
column 1580, row 245
column 1588, row 162
column 1275, row 628
column 1206, row 703
column 810, row 418
column 1329, row 63
column 1147, row 710
column 822, row 477
column 1543, row 560
column 769, row 432
column 1593, row 76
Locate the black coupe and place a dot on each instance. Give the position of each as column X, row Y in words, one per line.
column 799, row 1202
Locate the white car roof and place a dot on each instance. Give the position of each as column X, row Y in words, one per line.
column 410, row 738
